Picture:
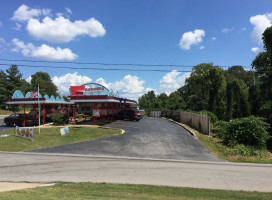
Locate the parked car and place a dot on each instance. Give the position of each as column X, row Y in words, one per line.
column 129, row 114
column 18, row 120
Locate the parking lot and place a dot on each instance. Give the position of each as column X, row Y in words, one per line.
column 149, row 138
column 3, row 126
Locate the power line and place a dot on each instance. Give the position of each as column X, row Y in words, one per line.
column 105, row 64
column 95, row 68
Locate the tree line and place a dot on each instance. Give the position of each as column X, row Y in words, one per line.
column 11, row 80
column 229, row 94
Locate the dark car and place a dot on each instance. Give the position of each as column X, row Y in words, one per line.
column 18, row 120
column 129, row 114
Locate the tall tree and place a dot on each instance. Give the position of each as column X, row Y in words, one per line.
column 263, row 64
column 45, row 83
column 3, row 89
column 149, row 102
column 14, row 80
column 163, row 100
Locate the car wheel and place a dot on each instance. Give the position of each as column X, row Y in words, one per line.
column 7, row 124
column 137, row 120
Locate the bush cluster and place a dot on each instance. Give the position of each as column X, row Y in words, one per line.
column 251, row 131
column 61, row 118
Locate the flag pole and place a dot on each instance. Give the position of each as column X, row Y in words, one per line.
column 39, row 109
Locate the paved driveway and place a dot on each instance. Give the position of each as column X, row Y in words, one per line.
column 149, row 138
column 3, row 126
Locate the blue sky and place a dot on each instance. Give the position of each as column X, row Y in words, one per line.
column 174, row 32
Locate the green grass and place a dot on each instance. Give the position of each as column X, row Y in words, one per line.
column 51, row 137
column 78, row 191
column 215, row 146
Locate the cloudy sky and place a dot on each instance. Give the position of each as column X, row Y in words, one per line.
column 173, row 35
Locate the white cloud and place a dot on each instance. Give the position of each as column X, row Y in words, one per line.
column 29, row 79
column 60, row 29
column 68, row 10
column 3, row 45
column 24, row 13
column 43, row 52
column 130, row 87
column 213, row 38
column 191, row 38
column 171, row 81
column 260, row 23
column 17, row 27
column 102, row 81
column 227, row 30
column 202, row 47
column 64, row 82
column 255, row 49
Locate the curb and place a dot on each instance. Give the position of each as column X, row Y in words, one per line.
column 189, row 131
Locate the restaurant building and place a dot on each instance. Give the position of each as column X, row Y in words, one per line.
column 92, row 100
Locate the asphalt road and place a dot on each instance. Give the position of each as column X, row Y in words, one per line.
column 36, row 168
column 3, row 126
column 148, row 138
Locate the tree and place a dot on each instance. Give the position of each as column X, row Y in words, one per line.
column 14, row 80
column 237, row 100
column 174, row 102
column 163, row 100
column 205, row 89
column 3, row 89
column 149, row 102
column 263, row 64
column 45, row 83
column 237, row 72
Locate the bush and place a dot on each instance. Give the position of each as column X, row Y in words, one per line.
column 209, row 114
column 61, row 118
column 248, row 131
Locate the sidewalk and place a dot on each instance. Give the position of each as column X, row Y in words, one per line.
column 10, row 186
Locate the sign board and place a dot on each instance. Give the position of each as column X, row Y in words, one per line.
column 96, row 112
column 64, row 131
column 27, row 133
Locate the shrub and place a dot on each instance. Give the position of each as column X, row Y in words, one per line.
column 61, row 118
column 248, row 131
column 209, row 114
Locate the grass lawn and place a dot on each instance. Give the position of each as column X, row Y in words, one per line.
column 215, row 146
column 51, row 137
column 77, row 191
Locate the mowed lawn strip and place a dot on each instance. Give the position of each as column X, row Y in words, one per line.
column 78, row 191
column 51, row 137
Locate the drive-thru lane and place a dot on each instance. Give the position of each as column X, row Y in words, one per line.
column 148, row 138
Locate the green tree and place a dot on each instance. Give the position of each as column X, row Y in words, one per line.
column 174, row 102
column 205, row 89
column 163, row 100
column 46, row 86
column 237, row 72
column 149, row 102
column 14, row 80
column 263, row 64
column 3, row 89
